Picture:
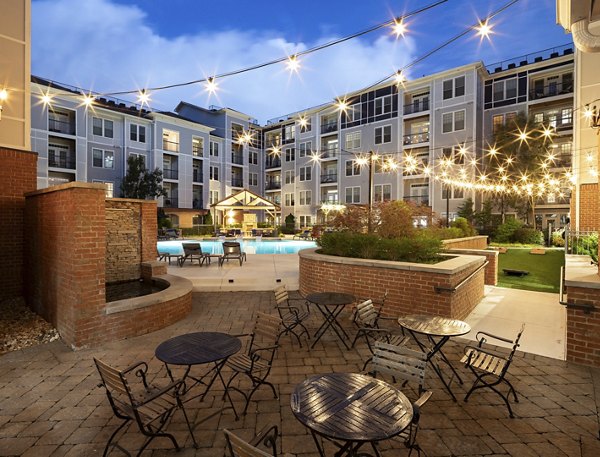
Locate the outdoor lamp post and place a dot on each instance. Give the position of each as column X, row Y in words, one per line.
column 370, row 207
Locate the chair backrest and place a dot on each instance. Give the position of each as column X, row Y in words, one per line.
column 400, row 362
column 366, row 314
column 191, row 248
column 231, row 247
column 240, row 448
column 268, row 328
column 516, row 344
column 281, row 295
column 116, row 385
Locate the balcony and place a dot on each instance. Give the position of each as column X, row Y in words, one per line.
column 328, row 127
column 237, row 182
column 170, row 173
column 61, row 126
column 555, row 121
column 237, row 159
column 67, row 162
column 273, row 162
column 416, row 106
column 329, row 153
column 197, row 176
column 273, row 184
column 422, row 200
column 551, row 90
column 197, row 203
column 170, row 146
column 170, row 202
column 416, row 138
column 328, row 178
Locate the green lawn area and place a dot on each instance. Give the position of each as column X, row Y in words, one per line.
column 544, row 270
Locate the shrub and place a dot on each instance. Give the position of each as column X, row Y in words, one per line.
column 465, row 226
column 394, row 219
column 445, row 233
column 527, row 235
column 557, row 239
column 504, row 232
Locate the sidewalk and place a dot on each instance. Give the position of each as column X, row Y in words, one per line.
column 50, row 405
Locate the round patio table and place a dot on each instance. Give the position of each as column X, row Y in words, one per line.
column 330, row 305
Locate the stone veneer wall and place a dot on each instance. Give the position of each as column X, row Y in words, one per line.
column 411, row 287
column 18, row 176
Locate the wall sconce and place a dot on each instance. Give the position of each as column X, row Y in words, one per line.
column 592, row 115
column 3, row 96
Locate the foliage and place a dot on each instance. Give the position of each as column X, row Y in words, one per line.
column 140, row 182
column 504, row 232
column 557, row 239
column 420, row 248
column 289, row 227
column 464, row 226
column 394, row 219
column 208, row 220
column 526, row 235
column 483, row 218
column 445, row 233
column 354, row 219
column 198, row 230
column 585, row 245
column 466, row 210
column 162, row 220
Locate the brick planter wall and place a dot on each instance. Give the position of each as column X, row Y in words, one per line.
column 470, row 242
column 411, row 287
column 589, row 215
column 491, row 270
column 18, row 176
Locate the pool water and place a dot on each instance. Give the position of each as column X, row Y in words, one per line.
column 130, row 289
column 248, row 246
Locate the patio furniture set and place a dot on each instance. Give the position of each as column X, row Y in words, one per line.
column 193, row 251
column 346, row 410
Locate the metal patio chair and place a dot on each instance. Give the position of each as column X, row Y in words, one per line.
column 193, row 251
column 238, row 447
column 232, row 250
column 149, row 406
column 408, row 366
column 292, row 316
column 256, row 363
column 367, row 318
column 490, row 367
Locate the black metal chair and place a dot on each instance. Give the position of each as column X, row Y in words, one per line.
column 490, row 367
column 367, row 318
column 193, row 251
column 257, row 362
column 232, row 250
column 149, row 406
column 292, row 317
column 240, row 448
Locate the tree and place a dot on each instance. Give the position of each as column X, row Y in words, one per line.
column 140, row 182
column 466, row 210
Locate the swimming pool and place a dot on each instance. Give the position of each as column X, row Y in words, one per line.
column 248, row 246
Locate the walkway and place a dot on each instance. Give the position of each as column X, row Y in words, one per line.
column 50, row 405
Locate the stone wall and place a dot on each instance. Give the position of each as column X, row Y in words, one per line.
column 18, row 176
column 411, row 287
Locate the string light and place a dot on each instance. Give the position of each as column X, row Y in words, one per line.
column 293, row 64
column 484, row 29
column 143, row 98
column 400, row 78
column 87, row 100
column 211, row 85
column 341, row 104
column 399, row 27
column 46, row 99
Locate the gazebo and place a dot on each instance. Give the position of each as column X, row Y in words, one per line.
column 239, row 208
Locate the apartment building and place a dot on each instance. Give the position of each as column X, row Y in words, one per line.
column 317, row 156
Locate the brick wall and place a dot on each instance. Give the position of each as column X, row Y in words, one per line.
column 583, row 334
column 18, row 176
column 589, row 211
column 471, row 242
column 491, row 270
column 409, row 291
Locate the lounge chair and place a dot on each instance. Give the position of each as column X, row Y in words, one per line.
column 167, row 256
column 172, row 234
column 305, row 235
column 193, row 251
column 232, row 250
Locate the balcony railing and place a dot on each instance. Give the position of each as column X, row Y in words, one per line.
column 197, row 176
column 329, row 178
column 67, row 162
column 559, row 123
column 170, row 146
column 170, row 173
column 197, row 203
column 551, row 90
column 416, row 106
column 237, row 182
column 272, row 185
column 237, row 159
column 418, row 199
column 57, row 125
column 415, row 138
column 170, row 202
column 329, row 153
column 327, row 127
column 273, row 162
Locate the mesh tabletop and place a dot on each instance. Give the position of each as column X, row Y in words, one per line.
column 434, row 325
column 351, row 407
column 197, row 348
column 330, row 298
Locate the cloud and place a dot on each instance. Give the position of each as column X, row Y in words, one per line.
column 105, row 46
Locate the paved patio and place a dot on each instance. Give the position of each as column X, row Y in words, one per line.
column 50, row 405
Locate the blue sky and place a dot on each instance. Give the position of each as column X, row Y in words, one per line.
column 112, row 45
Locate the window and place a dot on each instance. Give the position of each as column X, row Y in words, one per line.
column 383, row 164
column 253, row 157
column 109, row 188
column 197, row 147
column 253, row 179
column 453, row 87
column 383, row 105
column 305, row 173
column 509, row 117
column 290, row 154
column 289, row 176
column 566, row 116
column 305, row 221
column 353, row 194
column 454, row 121
column 288, row 199
column 538, row 118
column 504, row 90
column 138, row 155
column 353, row 140
column 289, row 132
column 452, row 192
column 213, row 196
column 137, row 133
column 497, row 122
column 454, row 154
column 382, row 192
column 306, row 197
column 383, row 134
column 305, row 148
column 354, row 112
column 214, row 173
column 305, row 125
column 102, row 127
column 352, row 168
column 170, row 141
column 214, row 149
column 103, row 159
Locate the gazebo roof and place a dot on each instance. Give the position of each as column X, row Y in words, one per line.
column 245, row 199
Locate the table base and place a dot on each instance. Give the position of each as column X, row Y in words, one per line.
column 331, row 322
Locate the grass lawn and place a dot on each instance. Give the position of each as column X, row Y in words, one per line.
column 544, row 270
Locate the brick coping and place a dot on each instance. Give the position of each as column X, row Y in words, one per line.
column 579, row 272
column 453, row 265
column 466, row 238
column 68, row 185
column 176, row 287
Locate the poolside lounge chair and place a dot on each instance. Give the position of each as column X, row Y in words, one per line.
column 232, row 250
column 172, row 234
column 193, row 251
column 167, row 256
column 305, row 235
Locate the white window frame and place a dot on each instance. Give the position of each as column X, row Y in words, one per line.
column 452, row 115
column 110, row 187
column 253, row 179
column 380, row 105
column 103, row 127
column 305, row 197
column 353, row 139
column 200, row 140
column 253, row 157
column 353, row 198
column 289, row 176
column 214, row 173
column 382, row 134
column 290, row 154
column 288, row 199
column 135, row 131
column 137, row 154
column 304, row 148
column 172, row 146
column 213, row 196
column 354, row 112
column 382, row 190
column 104, row 154
column 214, row 149
column 355, row 168
column 453, row 87
column 306, row 173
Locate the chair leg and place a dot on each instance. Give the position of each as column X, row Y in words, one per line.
column 187, row 421
column 112, row 437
